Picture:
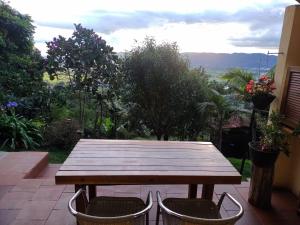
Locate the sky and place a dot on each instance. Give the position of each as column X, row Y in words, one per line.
column 195, row 25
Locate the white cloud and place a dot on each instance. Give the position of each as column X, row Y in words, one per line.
column 168, row 20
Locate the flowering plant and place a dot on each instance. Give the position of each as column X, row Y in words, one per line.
column 264, row 85
column 272, row 136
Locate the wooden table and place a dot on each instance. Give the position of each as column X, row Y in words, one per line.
column 112, row 162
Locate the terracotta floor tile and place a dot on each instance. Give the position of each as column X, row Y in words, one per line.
column 270, row 217
column 61, row 217
column 36, row 210
column 282, row 200
column 69, row 188
column 48, row 181
column 249, row 219
column 125, row 194
column 28, row 222
column 29, row 185
column 8, row 216
column 4, row 189
column 15, row 200
column 62, row 202
column 48, row 172
column 50, row 193
column 219, row 189
column 12, row 179
column 244, row 192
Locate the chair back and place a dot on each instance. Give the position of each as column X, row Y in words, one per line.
column 137, row 218
column 210, row 212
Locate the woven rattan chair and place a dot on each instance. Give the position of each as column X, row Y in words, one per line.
column 179, row 211
column 112, row 210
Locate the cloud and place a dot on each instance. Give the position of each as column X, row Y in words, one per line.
column 109, row 21
column 266, row 40
column 264, row 22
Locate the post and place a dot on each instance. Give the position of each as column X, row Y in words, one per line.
column 192, row 191
column 80, row 205
column 260, row 191
column 208, row 191
column 92, row 191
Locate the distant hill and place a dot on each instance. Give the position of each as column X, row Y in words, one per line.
column 254, row 62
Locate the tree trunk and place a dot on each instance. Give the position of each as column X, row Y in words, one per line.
column 166, row 137
column 158, row 137
column 260, row 190
column 220, row 134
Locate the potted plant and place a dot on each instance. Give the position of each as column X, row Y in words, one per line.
column 272, row 140
column 263, row 154
column 261, row 92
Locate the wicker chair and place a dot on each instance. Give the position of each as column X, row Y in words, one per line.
column 112, row 210
column 179, row 211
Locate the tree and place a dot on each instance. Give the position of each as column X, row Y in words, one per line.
column 88, row 62
column 193, row 88
column 152, row 73
column 21, row 65
column 219, row 108
column 237, row 79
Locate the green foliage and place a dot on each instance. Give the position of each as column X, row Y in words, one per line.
column 247, row 167
column 153, row 73
column 219, row 108
column 21, row 65
column 17, row 132
column 62, row 134
column 86, row 59
column 107, row 125
column 238, row 79
column 192, row 89
column 272, row 136
column 57, row 155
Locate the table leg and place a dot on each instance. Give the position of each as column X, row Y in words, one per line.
column 92, row 192
column 208, row 191
column 192, row 191
column 80, row 205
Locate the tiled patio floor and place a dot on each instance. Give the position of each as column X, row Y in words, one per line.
column 39, row 201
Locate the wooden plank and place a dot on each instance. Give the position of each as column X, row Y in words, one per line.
column 147, row 173
column 144, row 161
column 148, row 168
column 143, row 142
column 128, row 154
column 146, row 177
column 140, row 147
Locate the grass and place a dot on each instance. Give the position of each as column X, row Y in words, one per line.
column 247, row 168
column 56, row 155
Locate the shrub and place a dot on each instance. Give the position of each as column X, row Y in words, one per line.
column 62, row 134
column 17, row 132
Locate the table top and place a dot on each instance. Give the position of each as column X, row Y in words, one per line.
column 98, row 161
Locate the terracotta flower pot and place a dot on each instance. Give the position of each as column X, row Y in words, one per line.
column 261, row 158
column 262, row 101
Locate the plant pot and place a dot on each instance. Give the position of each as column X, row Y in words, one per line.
column 262, row 101
column 261, row 158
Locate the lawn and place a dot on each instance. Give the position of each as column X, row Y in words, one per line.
column 247, row 168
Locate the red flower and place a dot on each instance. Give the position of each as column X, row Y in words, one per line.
column 264, row 78
column 249, row 86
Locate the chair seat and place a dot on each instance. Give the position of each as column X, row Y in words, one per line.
column 199, row 208
column 114, row 206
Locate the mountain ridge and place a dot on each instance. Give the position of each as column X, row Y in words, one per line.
column 221, row 61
